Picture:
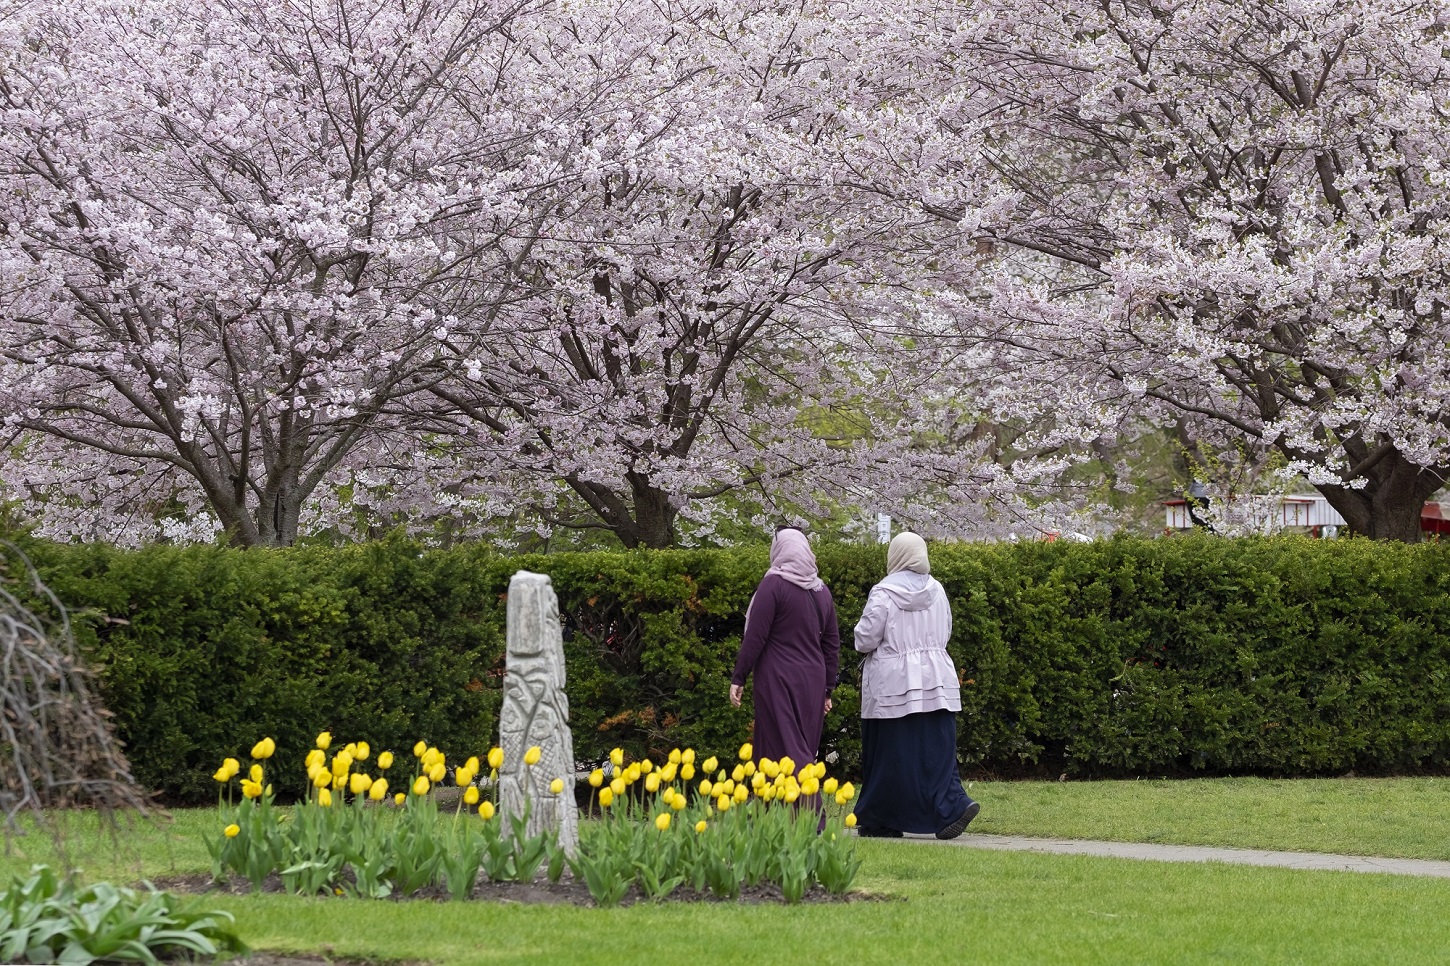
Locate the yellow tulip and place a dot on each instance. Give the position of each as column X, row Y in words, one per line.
column 617, row 786
column 251, row 789
column 652, row 782
column 324, row 740
column 741, row 794
column 678, row 803
column 462, row 777
column 791, row 794
column 596, row 777
column 701, row 825
column 849, row 790
column 322, row 778
column 687, row 771
column 631, row 774
column 738, row 773
column 668, row 795
column 362, row 752
column 438, row 772
column 557, row 786
column 746, row 752
column 431, row 757
column 324, row 798
column 711, row 763
column 421, row 786
column 705, row 787
column 379, row 790
column 351, row 749
column 232, row 830
column 770, row 768
column 841, row 797
column 829, row 787
column 667, row 773
column 646, row 766
column 532, row 756
column 687, row 757
column 810, row 786
column 606, row 798
column 786, row 765
column 341, row 764
column 232, row 765
column 749, row 768
column 265, row 748
column 616, row 757
column 727, row 787
column 851, row 820
column 385, row 760
column 470, row 796
column 495, row 758
column 721, row 776
column 674, row 756
column 314, row 757
column 768, row 793
column 339, row 782
column 485, row 810
column 758, row 782
column 722, row 803
column 662, row 821
column 420, row 749
column 222, row 775
column 359, row 783
column 472, row 764
column 399, row 798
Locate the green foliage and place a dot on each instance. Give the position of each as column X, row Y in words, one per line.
column 1278, row 657
column 47, row 919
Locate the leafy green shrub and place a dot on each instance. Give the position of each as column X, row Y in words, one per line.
column 47, row 919
column 1281, row 656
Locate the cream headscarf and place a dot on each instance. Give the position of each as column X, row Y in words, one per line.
column 907, row 552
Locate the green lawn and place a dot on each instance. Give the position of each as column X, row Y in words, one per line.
column 1400, row 817
column 949, row 904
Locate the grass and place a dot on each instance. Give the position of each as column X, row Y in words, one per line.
column 950, row 904
column 1399, row 817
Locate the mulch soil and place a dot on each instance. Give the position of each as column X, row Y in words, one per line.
column 567, row 891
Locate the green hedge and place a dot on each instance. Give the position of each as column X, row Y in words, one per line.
column 1280, row 657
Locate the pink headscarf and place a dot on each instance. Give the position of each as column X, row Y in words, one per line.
column 791, row 558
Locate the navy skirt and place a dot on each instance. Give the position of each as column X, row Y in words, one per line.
column 910, row 774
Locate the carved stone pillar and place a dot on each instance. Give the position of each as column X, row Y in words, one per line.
column 536, row 712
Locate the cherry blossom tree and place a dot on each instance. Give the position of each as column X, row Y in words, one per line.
column 233, row 235
column 1226, row 217
column 711, row 294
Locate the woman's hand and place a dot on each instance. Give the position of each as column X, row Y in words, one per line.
column 828, row 706
column 737, row 691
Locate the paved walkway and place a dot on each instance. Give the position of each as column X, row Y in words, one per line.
column 1199, row 853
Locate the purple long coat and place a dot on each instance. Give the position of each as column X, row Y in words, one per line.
column 793, row 647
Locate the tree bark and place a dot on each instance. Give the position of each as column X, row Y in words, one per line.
column 1388, row 506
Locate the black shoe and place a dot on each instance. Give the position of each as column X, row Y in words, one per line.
column 960, row 825
column 877, row 832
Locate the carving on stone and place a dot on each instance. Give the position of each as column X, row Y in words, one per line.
column 536, row 712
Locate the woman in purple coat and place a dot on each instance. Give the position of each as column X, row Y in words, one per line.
column 792, row 646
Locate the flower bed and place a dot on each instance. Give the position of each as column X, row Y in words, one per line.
column 757, row 828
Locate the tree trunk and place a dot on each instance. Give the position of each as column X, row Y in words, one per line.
column 1388, row 507
column 654, row 515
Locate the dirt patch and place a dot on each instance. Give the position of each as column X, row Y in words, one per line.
column 262, row 957
column 567, row 891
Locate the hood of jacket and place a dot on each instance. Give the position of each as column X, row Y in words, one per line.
column 911, row 591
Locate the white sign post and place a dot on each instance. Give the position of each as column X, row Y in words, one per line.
column 883, row 528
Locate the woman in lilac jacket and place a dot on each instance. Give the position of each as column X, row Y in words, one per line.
column 909, row 699
column 793, row 647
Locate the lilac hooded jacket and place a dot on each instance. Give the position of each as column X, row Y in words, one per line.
column 904, row 632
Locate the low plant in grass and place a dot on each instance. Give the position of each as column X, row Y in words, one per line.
column 45, row 918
